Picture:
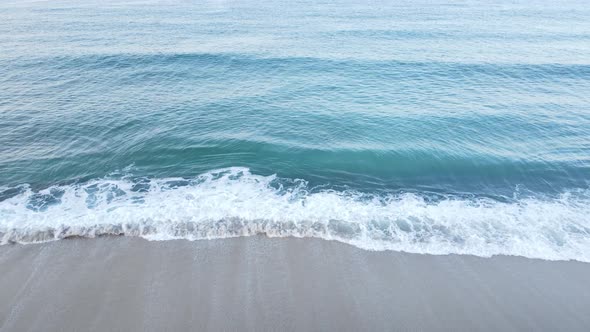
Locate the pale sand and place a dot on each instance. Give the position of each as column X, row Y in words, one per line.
column 257, row 283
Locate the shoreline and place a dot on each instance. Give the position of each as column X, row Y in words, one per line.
column 260, row 283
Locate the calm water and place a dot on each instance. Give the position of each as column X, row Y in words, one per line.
column 433, row 127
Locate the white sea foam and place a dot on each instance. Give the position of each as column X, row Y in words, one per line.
column 233, row 202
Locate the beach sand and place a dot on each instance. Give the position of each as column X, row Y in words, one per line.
column 260, row 283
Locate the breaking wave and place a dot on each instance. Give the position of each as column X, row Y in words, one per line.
column 234, row 202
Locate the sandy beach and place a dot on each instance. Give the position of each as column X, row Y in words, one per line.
column 260, row 283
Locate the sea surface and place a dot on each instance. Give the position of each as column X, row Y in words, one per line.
column 422, row 126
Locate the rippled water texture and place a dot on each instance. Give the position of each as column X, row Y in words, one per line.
column 436, row 127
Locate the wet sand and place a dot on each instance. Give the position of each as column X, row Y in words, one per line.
column 258, row 283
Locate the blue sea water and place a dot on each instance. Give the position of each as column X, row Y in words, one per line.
column 422, row 126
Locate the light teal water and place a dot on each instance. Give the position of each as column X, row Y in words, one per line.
column 430, row 127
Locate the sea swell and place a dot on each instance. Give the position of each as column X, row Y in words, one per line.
column 234, row 202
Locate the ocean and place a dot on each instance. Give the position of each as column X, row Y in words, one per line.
column 436, row 127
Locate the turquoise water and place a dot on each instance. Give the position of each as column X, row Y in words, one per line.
column 432, row 127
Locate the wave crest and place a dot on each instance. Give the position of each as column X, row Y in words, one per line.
column 234, row 202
